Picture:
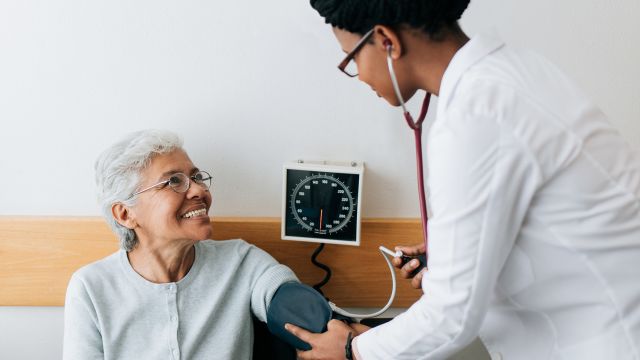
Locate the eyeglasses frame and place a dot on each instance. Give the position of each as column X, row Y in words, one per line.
column 363, row 40
column 166, row 182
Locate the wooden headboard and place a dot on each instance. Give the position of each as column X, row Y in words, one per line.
column 38, row 256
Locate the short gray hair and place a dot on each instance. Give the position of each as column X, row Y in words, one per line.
column 118, row 171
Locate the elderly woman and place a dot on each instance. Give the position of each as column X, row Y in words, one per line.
column 169, row 293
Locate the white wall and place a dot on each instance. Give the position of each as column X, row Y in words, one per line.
column 249, row 84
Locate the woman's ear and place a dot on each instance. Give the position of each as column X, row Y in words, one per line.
column 385, row 37
column 123, row 215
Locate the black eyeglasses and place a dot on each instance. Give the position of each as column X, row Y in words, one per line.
column 348, row 66
column 180, row 182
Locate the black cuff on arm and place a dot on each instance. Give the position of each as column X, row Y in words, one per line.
column 300, row 305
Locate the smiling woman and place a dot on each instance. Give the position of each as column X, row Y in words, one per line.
column 169, row 292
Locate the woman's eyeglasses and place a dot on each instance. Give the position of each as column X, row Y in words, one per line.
column 347, row 65
column 180, row 182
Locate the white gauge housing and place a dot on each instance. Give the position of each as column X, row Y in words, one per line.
column 321, row 202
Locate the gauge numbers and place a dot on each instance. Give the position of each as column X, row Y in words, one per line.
column 322, row 204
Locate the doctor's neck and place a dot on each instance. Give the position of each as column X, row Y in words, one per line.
column 428, row 57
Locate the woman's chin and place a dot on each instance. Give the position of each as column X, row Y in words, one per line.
column 393, row 101
column 204, row 235
column 202, row 232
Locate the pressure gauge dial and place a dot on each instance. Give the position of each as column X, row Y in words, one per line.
column 321, row 202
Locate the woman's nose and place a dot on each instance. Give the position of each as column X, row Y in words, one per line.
column 196, row 190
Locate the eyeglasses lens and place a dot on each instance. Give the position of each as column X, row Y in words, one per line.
column 202, row 178
column 179, row 182
column 352, row 68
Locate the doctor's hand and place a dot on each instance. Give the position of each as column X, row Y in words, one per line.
column 328, row 345
column 406, row 270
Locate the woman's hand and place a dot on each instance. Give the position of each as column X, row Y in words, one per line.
column 406, row 270
column 328, row 345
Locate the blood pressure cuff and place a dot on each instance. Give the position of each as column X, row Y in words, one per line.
column 300, row 305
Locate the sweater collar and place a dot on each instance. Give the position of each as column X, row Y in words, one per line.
column 172, row 286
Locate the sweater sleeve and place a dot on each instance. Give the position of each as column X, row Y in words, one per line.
column 82, row 338
column 268, row 275
column 482, row 180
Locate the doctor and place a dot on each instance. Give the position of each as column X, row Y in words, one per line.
column 534, row 235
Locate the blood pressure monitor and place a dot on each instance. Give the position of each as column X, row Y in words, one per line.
column 322, row 202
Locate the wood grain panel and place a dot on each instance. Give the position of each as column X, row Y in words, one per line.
column 38, row 256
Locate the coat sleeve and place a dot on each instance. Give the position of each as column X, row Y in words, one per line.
column 82, row 338
column 481, row 181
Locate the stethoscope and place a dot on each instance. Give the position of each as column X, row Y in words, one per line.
column 416, row 126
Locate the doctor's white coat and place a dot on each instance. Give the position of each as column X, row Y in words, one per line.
column 535, row 229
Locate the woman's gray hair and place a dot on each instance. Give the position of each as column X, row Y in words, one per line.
column 118, row 171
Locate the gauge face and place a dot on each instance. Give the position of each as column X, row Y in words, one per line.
column 322, row 205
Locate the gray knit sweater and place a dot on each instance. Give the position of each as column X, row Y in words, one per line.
column 111, row 312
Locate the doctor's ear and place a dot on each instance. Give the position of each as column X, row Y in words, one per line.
column 123, row 215
column 385, row 38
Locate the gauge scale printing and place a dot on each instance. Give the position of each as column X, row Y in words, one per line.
column 321, row 202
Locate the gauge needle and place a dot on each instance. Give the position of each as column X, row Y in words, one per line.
column 320, row 219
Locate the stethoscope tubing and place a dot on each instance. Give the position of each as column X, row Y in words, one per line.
column 416, row 126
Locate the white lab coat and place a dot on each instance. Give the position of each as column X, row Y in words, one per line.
column 534, row 238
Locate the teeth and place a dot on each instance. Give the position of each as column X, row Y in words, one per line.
column 194, row 213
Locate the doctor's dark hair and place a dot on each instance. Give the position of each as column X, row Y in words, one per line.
column 359, row 16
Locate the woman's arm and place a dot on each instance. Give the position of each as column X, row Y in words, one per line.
column 82, row 338
column 266, row 277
